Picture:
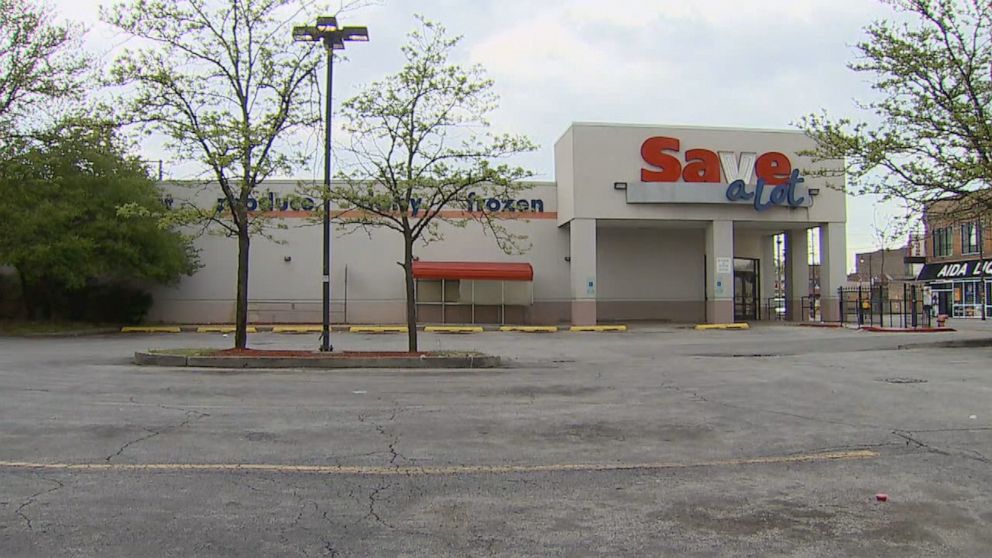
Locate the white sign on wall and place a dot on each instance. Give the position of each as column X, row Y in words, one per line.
column 724, row 265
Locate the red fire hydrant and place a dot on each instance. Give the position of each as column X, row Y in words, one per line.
column 941, row 320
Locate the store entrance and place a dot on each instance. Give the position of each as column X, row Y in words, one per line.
column 943, row 302
column 745, row 289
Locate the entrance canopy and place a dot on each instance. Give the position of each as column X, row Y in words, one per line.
column 485, row 271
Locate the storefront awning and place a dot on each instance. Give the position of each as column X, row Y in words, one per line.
column 956, row 270
column 490, row 271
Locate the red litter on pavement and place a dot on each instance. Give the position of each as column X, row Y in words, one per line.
column 882, row 497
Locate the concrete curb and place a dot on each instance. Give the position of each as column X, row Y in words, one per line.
column 330, row 362
column 73, row 333
column 346, row 328
column 154, row 359
column 951, row 344
column 879, row 329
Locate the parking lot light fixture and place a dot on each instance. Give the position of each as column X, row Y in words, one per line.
column 333, row 37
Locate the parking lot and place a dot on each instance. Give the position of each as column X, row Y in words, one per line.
column 658, row 441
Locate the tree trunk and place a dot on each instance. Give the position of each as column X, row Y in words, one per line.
column 881, row 271
column 411, row 301
column 27, row 297
column 241, row 310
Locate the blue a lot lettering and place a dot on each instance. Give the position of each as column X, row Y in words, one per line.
column 783, row 194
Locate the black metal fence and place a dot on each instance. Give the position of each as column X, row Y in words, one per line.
column 774, row 309
column 811, row 308
column 901, row 305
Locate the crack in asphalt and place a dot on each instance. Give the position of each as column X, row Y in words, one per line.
column 697, row 397
column 372, row 501
column 392, row 440
column 191, row 416
column 296, row 520
column 31, row 499
column 328, row 546
column 908, row 436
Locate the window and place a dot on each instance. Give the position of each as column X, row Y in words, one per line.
column 430, row 290
column 942, row 242
column 969, row 238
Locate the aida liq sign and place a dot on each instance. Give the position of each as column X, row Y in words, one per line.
column 671, row 174
column 973, row 269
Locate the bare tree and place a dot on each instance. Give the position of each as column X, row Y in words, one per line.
column 222, row 81
column 418, row 143
column 889, row 234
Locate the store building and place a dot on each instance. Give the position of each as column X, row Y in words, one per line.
column 957, row 270
column 641, row 223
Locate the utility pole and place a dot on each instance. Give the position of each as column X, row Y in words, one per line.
column 981, row 264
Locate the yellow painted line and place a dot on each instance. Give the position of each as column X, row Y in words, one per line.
column 599, row 328
column 530, row 329
column 298, row 329
column 723, row 326
column 453, row 329
column 150, row 329
column 223, row 329
column 378, row 329
column 428, row 471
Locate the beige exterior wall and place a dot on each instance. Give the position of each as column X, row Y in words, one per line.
column 671, row 240
column 565, row 176
column 650, row 272
column 603, row 154
column 283, row 291
column 596, row 257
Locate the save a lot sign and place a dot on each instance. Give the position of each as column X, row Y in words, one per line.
column 702, row 175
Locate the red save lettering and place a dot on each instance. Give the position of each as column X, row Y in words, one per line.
column 703, row 165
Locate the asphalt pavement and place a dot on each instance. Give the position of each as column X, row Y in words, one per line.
column 658, row 441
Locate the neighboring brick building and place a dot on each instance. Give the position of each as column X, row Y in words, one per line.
column 958, row 268
column 882, row 266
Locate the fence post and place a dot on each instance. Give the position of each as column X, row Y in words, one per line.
column 840, row 304
column 902, row 309
column 915, row 321
column 861, row 308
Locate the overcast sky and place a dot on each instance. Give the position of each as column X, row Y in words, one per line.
column 753, row 63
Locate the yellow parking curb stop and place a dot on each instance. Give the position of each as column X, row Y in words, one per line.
column 599, row 328
column 223, row 329
column 723, row 326
column 378, row 329
column 150, row 329
column 453, row 329
column 298, row 329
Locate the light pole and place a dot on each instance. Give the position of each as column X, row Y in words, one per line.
column 327, row 31
column 981, row 263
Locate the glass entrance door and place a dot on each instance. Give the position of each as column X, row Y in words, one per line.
column 745, row 289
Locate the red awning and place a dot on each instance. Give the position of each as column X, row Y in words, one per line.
column 492, row 271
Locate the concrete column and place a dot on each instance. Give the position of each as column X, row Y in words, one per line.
column 720, row 272
column 833, row 268
column 767, row 270
column 582, row 250
column 796, row 273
